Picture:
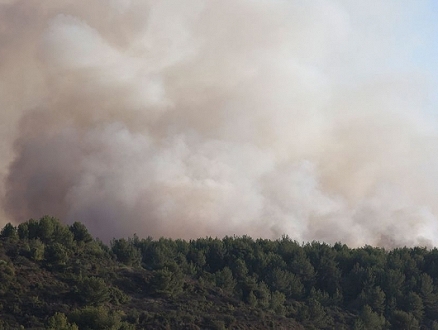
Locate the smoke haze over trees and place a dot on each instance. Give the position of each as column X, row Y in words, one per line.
column 185, row 119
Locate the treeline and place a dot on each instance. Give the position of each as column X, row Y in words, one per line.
column 54, row 276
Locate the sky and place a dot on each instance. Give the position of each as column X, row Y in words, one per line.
column 315, row 119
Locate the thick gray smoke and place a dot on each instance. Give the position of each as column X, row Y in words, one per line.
column 220, row 117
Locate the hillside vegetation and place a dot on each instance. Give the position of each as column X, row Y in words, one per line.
column 54, row 276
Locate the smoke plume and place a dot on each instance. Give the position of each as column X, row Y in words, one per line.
column 211, row 118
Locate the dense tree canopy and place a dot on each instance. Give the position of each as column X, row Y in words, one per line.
column 54, row 276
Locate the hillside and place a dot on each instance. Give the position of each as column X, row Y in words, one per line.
column 54, row 276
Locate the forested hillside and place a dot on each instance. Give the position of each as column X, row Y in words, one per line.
column 54, row 276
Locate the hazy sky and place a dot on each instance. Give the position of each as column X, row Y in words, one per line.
column 317, row 119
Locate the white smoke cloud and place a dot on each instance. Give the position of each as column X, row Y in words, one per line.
column 195, row 118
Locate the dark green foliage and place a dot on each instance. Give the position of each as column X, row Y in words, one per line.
column 374, row 297
column 314, row 315
column 126, row 252
column 224, row 279
column 36, row 249
column 286, row 282
column 404, row 321
column 55, row 276
column 98, row 318
column 277, row 302
column 60, row 322
column 93, row 290
column 9, row 231
column 393, row 282
column 80, row 232
column 46, row 228
column 56, row 254
column 23, row 230
column 369, row 320
column 428, row 296
column 166, row 282
column 7, row 273
column 32, row 228
column 413, row 304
